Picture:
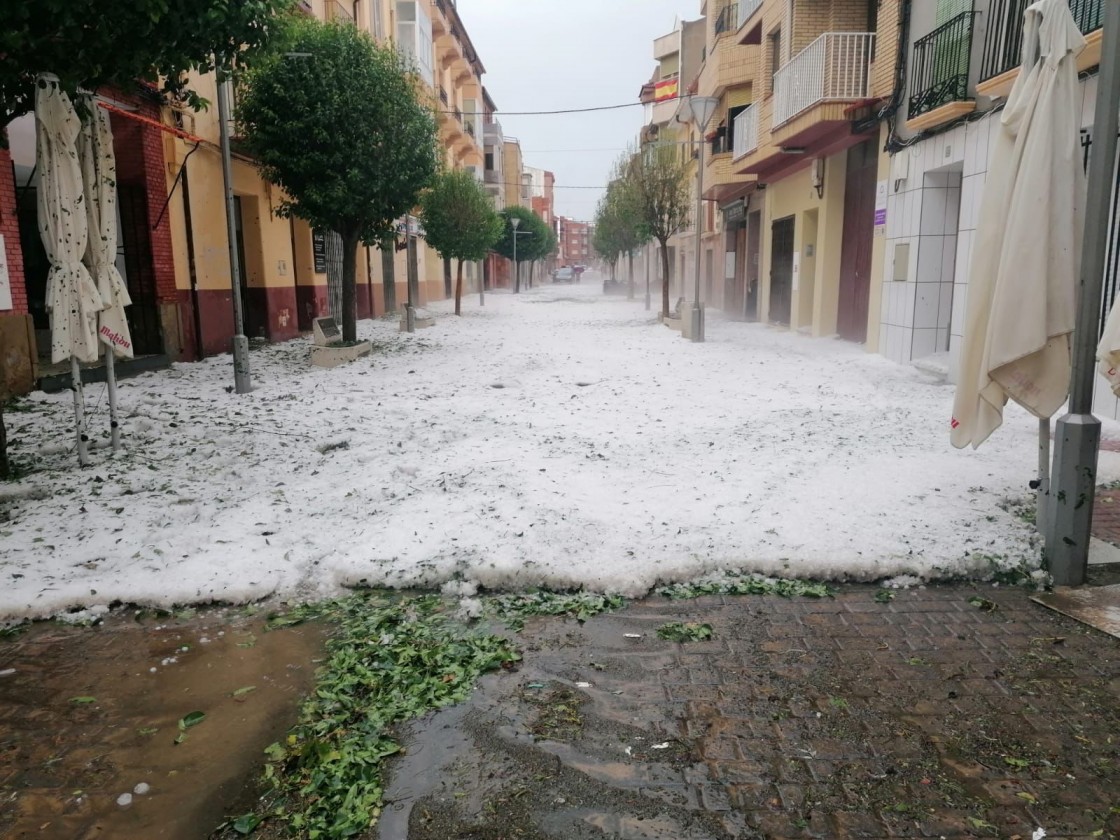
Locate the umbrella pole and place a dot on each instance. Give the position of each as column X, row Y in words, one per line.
column 79, row 411
column 1041, row 516
column 111, row 379
column 1078, row 436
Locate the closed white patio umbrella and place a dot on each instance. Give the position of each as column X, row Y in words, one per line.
column 99, row 174
column 1026, row 255
column 72, row 298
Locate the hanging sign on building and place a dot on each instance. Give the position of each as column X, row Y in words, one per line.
column 319, row 250
column 881, row 204
column 734, row 212
column 5, row 280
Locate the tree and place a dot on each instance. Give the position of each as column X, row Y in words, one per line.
column 605, row 240
column 459, row 221
column 92, row 43
column 534, row 239
column 343, row 132
column 657, row 176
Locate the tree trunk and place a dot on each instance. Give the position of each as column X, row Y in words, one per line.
column 389, row 270
column 458, row 288
column 447, row 277
column 5, row 467
column 349, row 296
column 664, row 281
column 532, row 266
column 630, row 282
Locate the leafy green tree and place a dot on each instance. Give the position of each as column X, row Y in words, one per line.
column 459, row 221
column 534, row 239
column 91, row 43
column 606, row 238
column 343, row 132
column 657, row 180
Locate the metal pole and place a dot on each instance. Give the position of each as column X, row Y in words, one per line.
column 481, row 271
column 697, row 331
column 1078, row 434
column 516, row 265
column 79, row 411
column 111, row 380
column 412, row 279
column 1042, row 511
column 242, row 380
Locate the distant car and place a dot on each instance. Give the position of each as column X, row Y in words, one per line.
column 564, row 275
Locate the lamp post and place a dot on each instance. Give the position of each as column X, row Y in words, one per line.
column 242, row 380
column 516, row 223
column 412, row 277
column 702, row 108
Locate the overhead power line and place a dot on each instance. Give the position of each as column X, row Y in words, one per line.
column 544, row 113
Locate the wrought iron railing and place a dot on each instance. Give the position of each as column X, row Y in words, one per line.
column 835, row 67
column 746, row 132
column 1003, row 46
column 443, row 95
column 940, row 62
column 728, row 18
column 746, row 9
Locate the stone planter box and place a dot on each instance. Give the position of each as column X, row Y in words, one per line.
column 422, row 318
column 329, row 356
column 673, row 323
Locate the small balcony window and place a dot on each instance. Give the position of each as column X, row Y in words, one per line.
column 941, row 63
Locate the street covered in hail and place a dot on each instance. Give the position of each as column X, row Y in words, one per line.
column 560, row 438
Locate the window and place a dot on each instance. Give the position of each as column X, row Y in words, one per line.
column 775, row 47
column 490, row 161
column 414, row 37
column 732, row 113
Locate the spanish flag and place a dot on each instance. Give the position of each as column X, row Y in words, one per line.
column 665, row 90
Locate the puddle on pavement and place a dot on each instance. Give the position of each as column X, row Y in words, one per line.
column 560, row 748
column 89, row 713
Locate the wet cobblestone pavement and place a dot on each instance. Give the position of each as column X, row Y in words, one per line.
column 953, row 711
column 89, row 713
column 950, row 711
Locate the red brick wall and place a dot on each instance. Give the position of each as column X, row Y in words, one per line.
column 140, row 159
column 9, row 229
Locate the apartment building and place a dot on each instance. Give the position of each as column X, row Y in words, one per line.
column 679, row 55
column 962, row 58
column 174, row 243
column 574, row 242
column 811, row 139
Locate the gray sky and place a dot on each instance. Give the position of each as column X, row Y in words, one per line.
column 556, row 54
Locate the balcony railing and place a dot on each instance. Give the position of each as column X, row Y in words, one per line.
column 941, row 61
column 443, row 94
column 1003, row 47
column 746, row 132
column 336, row 11
column 834, row 68
column 746, row 9
column 728, row 19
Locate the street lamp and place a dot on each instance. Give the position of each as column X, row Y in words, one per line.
column 701, row 108
column 516, row 223
column 242, row 381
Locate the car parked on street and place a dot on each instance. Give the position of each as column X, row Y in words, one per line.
column 564, row 275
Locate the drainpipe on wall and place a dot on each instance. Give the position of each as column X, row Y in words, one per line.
column 191, row 267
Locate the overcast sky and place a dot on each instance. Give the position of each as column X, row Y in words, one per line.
column 557, row 54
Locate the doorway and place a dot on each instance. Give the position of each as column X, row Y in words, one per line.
column 753, row 259
column 781, row 271
column 136, row 249
column 859, row 233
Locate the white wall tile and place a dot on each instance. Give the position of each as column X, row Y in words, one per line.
column 963, row 257
column 952, row 209
column 933, row 210
column 960, row 309
column 969, row 200
column 924, row 343
column 949, row 259
column 945, row 306
column 942, row 340
column 926, row 302
column 883, row 338
column 931, row 250
column 955, row 178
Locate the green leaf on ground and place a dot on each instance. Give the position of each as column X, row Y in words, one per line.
column 241, row 692
column 676, row 631
column 983, row 604
column 246, row 823
column 191, row 719
column 884, row 596
column 83, row 701
column 1017, row 763
column 737, row 583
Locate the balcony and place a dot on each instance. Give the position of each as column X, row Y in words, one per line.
column 746, row 132
column 335, row 11
column 751, row 34
column 834, row 68
column 940, row 81
column 1003, row 46
column 728, row 19
column 666, row 46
